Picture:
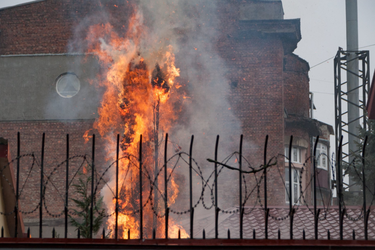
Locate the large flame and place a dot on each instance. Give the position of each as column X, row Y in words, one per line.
column 136, row 102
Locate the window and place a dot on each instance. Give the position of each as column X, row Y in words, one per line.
column 67, row 85
column 296, row 154
column 295, row 185
column 321, row 156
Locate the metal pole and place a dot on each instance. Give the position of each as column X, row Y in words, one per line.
column 364, row 187
column 166, row 186
column 339, row 176
column 67, row 186
column 352, row 81
column 314, row 175
column 18, row 183
column 216, row 197
column 240, row 183
column 191, row 188
column 41, row 190
column 92, row 186
column 156, row 159
column 265, row 188
column 117, row 173
column 290, row 187
column 140, row 192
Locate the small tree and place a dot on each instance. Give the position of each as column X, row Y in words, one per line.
column 83, row 203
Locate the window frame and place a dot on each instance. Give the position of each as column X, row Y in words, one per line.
column 322, row 156
column 296, row 175
column 298, row 154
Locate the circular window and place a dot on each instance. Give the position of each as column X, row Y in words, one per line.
column 67, row 85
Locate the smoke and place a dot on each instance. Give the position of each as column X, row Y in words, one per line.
column 192, row 28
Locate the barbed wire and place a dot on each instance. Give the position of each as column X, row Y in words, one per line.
column 206, row 190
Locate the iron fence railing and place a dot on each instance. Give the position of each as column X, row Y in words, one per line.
column 208, row 184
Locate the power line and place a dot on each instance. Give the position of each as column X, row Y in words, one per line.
column 333, row 56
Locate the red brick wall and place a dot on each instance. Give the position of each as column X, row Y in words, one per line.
column 296, row 82
column 48, row 26
column 55, row 153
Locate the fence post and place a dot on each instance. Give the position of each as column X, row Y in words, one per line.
column 216, row 196
column 265, row 189
column 92, row 185
column 364, row 188
column 67, row 186
column 117, row 173
column 314, row 175
column 41, row 190
column 240, row 186
column 18, row 183
column 290, row 188
column 191, row 188
column 166, row 186
column 140, row 192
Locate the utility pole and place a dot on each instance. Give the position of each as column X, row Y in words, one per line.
column 352, row 80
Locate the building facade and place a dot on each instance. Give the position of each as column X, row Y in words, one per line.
column 48, row 86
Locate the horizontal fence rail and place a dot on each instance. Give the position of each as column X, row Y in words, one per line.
column 253, row 218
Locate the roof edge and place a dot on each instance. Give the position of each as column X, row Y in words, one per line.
column 22, row 4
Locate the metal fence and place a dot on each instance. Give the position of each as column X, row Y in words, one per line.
column 208, row 185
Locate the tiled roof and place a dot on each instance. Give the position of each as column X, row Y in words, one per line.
column 279, row 220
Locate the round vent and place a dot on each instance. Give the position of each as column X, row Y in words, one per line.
column 68, row 85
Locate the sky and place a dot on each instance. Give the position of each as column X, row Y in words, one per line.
column 323, row 31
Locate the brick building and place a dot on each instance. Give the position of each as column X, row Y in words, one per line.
column 268, row 87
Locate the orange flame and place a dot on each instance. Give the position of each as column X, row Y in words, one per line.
column 133, row 94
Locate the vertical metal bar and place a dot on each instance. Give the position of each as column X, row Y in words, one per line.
column 339, row 176
column 117, row 173
column 166, row 186
column 364, row 187
column 41, row 190
column 18, row 184
column 290, row 188
column 191, row 188
column 364, row 92
column 92, row 186
column 314, row 176
column 156, row 160
column 140, row 192
column 216, row 197
column 265, row 189
column 67, row 186
column 240, row 186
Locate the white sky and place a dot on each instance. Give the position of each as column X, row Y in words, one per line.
column 323, row 31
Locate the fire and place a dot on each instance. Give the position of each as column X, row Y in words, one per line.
column 136, row 98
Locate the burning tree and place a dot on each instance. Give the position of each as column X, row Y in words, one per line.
column 134, row 98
